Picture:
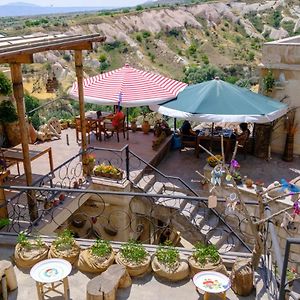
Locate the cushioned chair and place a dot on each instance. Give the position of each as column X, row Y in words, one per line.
column 110, row 130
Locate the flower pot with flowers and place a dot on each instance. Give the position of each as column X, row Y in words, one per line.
column 108, row 171
column 214, row 160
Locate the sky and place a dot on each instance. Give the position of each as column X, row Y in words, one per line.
column 94, row 3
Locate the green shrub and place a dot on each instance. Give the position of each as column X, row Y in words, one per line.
column 8, row 113
column 101, row 248
column 205, row 254
column 5, row 85
column 139, row 8
column 167, row 254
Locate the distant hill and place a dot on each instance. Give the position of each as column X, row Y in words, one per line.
column 27, row 9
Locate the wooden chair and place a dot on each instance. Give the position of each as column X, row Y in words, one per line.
column 7, row 163
column 119, row 129
column 90, row 125
column 189, row 141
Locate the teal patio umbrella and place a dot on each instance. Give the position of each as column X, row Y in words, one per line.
column 220, row 101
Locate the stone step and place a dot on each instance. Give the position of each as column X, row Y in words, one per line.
column 156, row 188
column 146, row 182
column 210, row 223
column 217, row 236
column 190, row 209
column 202, row 214
column 231, row 243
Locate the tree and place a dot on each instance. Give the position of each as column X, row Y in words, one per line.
column 200, row 74
column 5, row 85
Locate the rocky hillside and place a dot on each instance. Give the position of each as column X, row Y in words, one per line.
column 166, row 39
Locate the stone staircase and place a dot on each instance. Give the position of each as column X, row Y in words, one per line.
column 192, row 218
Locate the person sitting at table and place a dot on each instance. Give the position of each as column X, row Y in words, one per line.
column 188, row 134
column 242, row 137
column 116, row 118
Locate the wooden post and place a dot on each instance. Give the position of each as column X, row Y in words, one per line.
column 3, row 206
column 79, row 74
column 17, row 80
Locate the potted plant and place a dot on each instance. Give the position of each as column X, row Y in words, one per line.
column 4, row 222
column 134, row 257
column 133, row 125
column 89, row 164
column 109, row 171
column 237, row 178
column 9, row 118
column 169, row 264
column 97, row 258
column 28, row 252
column 214, row 160
column 64, row 246
column 145, row 124
column 206, row 258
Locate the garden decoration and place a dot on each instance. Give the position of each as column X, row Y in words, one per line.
column 65, row 247
column 231, row 203
column 264, row 196
column 216, row 175
column 28, row 252
column 88, row 164
column 168, row 264
column 213, row 160
column 206, row 258
column 135, row 258
column 97, row 258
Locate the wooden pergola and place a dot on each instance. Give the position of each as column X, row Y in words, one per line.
column 19, row 50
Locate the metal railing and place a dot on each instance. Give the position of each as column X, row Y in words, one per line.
column 69, row 178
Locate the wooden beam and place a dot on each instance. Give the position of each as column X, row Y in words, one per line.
column 83, row 46
column 79, row 74
column 18, row 90
column 19, row 59
column 66, row 43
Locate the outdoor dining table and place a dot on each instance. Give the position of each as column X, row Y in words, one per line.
column 205, row 135
column 15, row 154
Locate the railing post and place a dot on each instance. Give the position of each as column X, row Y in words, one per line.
column 127, row 162
column 284, row 270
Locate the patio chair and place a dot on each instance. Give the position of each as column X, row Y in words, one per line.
column 119, row 129
column 188, row 141
column 90, row 125
column 6, row 163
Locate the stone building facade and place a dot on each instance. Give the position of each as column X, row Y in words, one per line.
column 282, row 57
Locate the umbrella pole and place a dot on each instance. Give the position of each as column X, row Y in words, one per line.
column 175, row 120
column 212, row 134
column 127, row 112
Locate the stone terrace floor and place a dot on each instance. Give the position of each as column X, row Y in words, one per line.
column 182, row 164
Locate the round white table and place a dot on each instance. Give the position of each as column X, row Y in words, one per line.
column 212, row 283
column 49, row 274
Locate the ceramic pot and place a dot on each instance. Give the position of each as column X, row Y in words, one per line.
column 133, row 126
column 146, row 127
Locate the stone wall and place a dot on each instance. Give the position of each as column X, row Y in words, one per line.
column 283, row 58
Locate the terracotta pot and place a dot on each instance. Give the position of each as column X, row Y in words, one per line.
column 13, row 133
column 133, row 126
column 32, row 134
column 146, row 127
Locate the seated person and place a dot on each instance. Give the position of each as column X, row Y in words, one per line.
column 187, row 131
column 116, row 118
column 242, row 137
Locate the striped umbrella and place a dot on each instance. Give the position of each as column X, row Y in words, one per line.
column 134, row 87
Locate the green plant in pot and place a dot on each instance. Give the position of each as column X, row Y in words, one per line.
column 65, row 246
column 134, row 257
column 29, row 251
column 97, row 258
column 9, row 118
column 169, row 264
column 206, row 257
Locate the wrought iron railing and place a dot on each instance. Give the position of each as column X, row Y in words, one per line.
column 168, row 191
column 275, row 266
